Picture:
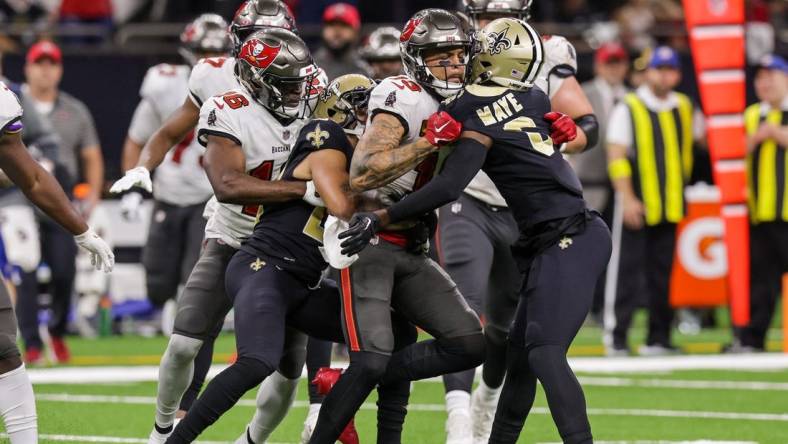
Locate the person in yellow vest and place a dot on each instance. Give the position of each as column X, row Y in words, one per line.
column 649, row 146
column 766, row 123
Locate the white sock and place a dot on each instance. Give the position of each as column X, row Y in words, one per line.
column 458, row 401
column 488, row 394
column 274, row 399
column 18, row 406
column 175, row 375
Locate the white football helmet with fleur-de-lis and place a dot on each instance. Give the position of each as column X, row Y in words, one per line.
column 509, row 53
column 345, row 102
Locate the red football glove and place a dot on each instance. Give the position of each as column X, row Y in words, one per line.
column 562, row 128
column 442, row 129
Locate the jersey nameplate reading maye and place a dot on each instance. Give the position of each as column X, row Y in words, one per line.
column 506, row 107
column 501, row 110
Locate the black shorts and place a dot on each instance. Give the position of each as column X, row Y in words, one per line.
column 386, row 276
column 173, row 247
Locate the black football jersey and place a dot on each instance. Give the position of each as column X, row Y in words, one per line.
column 532, row 176
column 289, row 233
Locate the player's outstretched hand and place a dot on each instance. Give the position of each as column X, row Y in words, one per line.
column 562, row 128
column 101, row 255
column 135, row 177
column 363, row 227
column 130, row 205
column 442, row 128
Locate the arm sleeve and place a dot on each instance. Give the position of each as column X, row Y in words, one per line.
column 145, row 122
column 458, row 170
column 619, row 131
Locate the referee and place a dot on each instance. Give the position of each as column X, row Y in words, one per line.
column 766, row 123
column 649, row 143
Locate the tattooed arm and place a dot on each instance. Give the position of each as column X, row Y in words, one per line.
column 378, row 158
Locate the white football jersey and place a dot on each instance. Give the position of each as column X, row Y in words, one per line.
column 403, row 97
column 180, row 179
column 266, row 145
column 560, row 62
column 212, row 77
column 10, row 110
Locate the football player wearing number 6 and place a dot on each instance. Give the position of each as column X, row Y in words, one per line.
column 562, row 249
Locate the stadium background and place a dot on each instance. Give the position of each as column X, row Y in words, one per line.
column 104, row 66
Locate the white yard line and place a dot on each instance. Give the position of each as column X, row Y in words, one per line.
column 698, row 441
column 149, row 400
column 106, row 439
column 755, row 362
column 683, row 384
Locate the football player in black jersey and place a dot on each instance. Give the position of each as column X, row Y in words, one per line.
column 275, row 279
column 562, row 249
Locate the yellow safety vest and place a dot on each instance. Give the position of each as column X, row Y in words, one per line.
column 662, row 157
column 767, row 166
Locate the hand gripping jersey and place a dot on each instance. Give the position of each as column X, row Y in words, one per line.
column 265, row 142
column 536, row 181
column 412, row 105
column 560, row 62
column 10, row 111
column 180, row 179
column 290, row 233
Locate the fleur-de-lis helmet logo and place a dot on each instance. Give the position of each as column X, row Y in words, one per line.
column 497, row 41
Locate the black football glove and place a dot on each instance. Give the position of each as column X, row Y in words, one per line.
column 363, row 227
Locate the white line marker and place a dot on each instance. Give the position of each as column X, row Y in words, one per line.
column 150, row 400
column 683, row 384
column 699, row 441
column 106, row 439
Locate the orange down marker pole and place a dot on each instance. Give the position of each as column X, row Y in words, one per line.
column 716, row 31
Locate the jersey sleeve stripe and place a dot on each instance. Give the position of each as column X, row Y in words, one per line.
column 196, row 100
column 402, row 120
column 13, row 126
column 203, row 133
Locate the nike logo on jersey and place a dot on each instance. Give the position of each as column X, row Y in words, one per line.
column 219, row 105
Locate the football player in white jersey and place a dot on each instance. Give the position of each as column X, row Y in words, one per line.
column 393, row 159
column 248, row 134
column 181, row 186
column 476, row 231
column 209, row 77
column 17, row 402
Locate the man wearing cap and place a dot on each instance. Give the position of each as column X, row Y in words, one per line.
column 649, row 146
column 766, row 123
column 605, row 90
column 337, row 55
column 80, row 154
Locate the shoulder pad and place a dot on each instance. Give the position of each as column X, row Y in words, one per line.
column 560, row 56
column 201, row 76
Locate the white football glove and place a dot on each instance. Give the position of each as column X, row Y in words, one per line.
column 130, row 205
column 101, row 255
column 135, row 177
column 311, row 196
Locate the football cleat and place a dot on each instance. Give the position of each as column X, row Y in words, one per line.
column 324, row 380
column 159, row 435
column 33, row 356
column 483, row 413
column 62, row 354
column 458, row 428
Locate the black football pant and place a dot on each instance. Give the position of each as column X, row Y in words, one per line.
column 474, row 246
column 554, row 301
column 768, row 262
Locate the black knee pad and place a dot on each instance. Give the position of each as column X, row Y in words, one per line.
column 253, row 370
column 369, row 365
column 472, row 346
column 546, row 358
column 293, row 358
column 495, row 334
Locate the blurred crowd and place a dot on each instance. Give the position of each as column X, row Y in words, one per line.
column 621, row 36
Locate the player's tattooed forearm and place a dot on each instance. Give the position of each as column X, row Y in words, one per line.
column 379, row 158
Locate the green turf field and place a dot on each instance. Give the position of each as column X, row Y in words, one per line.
column 711, row 405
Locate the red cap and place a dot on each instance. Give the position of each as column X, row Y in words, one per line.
column 44, row 49
column 610, row 52
column 344, row 13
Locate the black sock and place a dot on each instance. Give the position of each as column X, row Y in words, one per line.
column 517, row 397
column 435, row 357
column 347, row 395
column 202, row 363
column 392, row 409
column 318, row 354
column 219, row 396
column 495, row 363
column 162, row 430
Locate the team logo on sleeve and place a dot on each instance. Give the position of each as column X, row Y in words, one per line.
column 211, row 118
column 258, row 53
column 498, row 41
column 317, row 137
column 391, row 99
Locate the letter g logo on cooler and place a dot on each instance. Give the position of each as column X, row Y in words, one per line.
column 701, row 249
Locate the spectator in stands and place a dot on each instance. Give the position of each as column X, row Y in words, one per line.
column 337, row 55
column 766, row 123
column 381, row 52
column 80, row 153
column 93, row 12
column 611, row 64
column 649, row 145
